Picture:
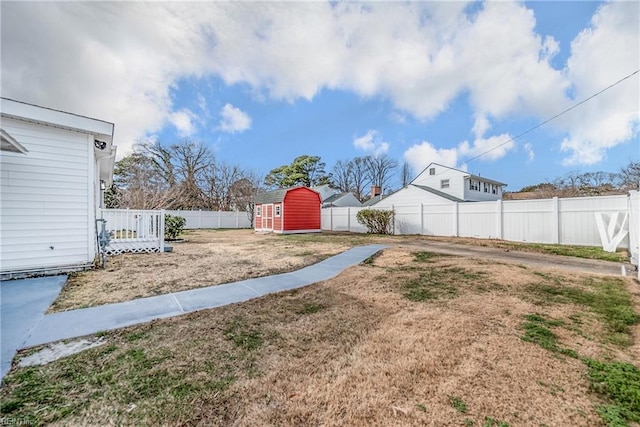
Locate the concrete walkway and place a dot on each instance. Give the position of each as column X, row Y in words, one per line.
column 22, row 307
column 41, row 329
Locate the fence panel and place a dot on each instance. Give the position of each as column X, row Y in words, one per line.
column 529, row 221
column 578, row 220
column 439, row 220
column 477, row 219
column 213, row 219
column 568, row 221
column 407, row 219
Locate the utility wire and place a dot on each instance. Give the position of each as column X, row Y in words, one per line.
column 554, row 117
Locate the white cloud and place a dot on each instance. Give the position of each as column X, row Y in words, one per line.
column 183, row 122
column 112, row 61
column 420, row 155
column 234, row 119
column 371, row 143
column 601, row 55
column 528, row 148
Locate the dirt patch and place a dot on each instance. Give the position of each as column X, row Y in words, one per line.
column 354, row 350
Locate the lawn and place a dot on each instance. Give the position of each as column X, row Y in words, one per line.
column 405, row 338
column 213, row 257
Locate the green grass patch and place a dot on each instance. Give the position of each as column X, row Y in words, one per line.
column 424, row 256
column 619, row 384
column 492, row 422
column 458, row 404
column 244, row 337
column 310, row 308
column 436, row 283
column 537, row 330
column 587, row 252
column 607, row 297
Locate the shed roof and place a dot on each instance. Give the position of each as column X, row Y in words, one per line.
column 277, row 196
column 274, row 196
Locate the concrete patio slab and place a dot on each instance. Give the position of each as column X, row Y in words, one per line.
column 22, row 305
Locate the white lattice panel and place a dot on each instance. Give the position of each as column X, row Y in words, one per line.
column 116, row 248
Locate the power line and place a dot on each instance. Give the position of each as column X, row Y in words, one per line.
column 554, row 117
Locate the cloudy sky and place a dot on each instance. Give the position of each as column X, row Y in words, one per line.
column 261, row 83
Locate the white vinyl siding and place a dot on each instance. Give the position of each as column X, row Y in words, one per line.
column 46, row 198
column 455, row 177
column 474, row 189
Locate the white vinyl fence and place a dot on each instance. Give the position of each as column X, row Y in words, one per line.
column 570, row 221
column 213, row 219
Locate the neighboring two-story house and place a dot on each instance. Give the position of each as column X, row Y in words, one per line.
column 442, row 184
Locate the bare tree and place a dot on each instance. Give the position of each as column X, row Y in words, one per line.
column 407, row 174
column 342, row 175
column 630, row 176
column 360, row 178
column 380, row 169
column 217, row 186
column 243, row 193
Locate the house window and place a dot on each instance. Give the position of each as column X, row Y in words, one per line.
column 277, row 210
column 432, row 171
column 486, row 189
column 259, row 211
column 444, row 183
column 474, row 185
column 494, row 189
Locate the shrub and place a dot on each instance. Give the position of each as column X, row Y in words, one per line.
column 376, row 221
column 173, row 226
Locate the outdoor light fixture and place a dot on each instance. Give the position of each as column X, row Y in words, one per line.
column 103, row 185
column 100, row 145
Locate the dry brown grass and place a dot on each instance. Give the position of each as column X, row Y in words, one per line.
column 205, row 258
column 351, row 351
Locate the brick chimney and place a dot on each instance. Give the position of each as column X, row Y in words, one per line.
column 375, row 191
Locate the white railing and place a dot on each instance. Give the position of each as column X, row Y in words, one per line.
column 134, row 230
column 570, row 221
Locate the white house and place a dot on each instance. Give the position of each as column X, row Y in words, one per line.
column 341, row 200
column 333, row 198
column 52, row 166
column 438, row 184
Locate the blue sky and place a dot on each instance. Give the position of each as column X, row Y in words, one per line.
column 262, row 83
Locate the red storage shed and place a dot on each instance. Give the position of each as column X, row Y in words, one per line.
column 289, row 210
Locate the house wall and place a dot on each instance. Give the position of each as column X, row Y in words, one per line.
column 410, row 196
column 480, row 195
column 301, row 210
column 47, row 199
column 455, row 177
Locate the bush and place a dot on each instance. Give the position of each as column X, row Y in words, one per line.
column 376, row 221
column 173, row 226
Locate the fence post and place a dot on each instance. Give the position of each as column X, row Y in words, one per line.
column 161, row 231
column 421, row 218
column 331, row 218
column 219, row 218
column 455, row 219
column 237, row 219
column 200, row 218
column 499, row 219
column 348, row 219
column 555, row 209
column 393, row 209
